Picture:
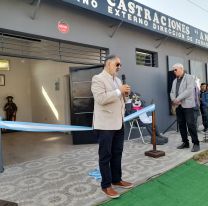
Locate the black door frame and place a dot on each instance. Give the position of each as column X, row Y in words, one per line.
column 82, row 118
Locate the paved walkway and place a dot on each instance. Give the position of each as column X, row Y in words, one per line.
column 62, row 180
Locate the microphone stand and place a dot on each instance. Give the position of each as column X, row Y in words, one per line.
column 175, row 121
column 154, row 153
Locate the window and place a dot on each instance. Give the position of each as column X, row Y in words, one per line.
column 146, row 58
column 4, row 64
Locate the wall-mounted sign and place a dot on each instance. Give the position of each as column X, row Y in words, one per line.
column 63, row 26
column 132, row 12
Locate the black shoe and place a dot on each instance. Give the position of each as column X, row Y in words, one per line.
column 195, row 148
column 183, row 145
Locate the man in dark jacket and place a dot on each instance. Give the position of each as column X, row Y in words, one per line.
column 183, row 96
column 204, row 105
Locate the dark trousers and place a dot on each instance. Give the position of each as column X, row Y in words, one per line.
column 110, row 153
column 204, row 113
column 186, row 117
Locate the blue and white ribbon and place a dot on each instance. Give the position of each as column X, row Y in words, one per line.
column 95, row 174
column 136, row 114
column 41, row 127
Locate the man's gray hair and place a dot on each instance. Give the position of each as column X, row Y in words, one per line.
column 178, row 65
column 110, row 57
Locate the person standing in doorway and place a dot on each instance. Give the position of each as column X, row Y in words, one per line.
column 204, row 105
column 183, row 96
column 109, row 106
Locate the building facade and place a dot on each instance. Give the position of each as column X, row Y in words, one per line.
column 44, row 40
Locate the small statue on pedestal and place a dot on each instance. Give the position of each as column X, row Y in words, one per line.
column 11, row 109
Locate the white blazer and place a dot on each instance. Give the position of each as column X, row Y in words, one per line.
column 108, row 106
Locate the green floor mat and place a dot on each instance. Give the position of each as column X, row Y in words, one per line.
column 185, row 185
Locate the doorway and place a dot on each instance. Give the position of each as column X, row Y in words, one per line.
column 41, row 66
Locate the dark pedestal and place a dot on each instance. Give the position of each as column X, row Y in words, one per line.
column 154, row 153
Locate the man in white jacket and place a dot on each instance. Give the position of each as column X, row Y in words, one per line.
column 108, row 93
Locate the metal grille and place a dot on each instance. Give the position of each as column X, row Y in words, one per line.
column 146, row 58
column 20, row 46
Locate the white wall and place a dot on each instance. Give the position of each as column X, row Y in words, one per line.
column 45, row 74
column 24, row 81
column 18, row 81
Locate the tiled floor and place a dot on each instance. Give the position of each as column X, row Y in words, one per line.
column 61, row 178
column 24, row 146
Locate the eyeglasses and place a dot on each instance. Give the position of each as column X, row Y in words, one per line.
column 118, row 65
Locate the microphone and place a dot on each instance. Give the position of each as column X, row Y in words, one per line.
column 123, row 77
